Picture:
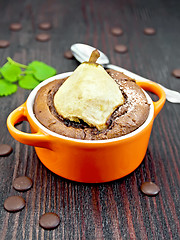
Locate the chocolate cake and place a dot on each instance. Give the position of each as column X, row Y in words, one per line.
column 125, row 119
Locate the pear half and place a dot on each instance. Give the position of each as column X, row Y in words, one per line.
column 89, row 94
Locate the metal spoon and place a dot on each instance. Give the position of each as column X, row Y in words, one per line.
column 82, row 53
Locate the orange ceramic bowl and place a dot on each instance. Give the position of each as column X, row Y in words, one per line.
column 90, row 161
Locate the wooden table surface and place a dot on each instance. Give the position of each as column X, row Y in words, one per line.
column 118, row 209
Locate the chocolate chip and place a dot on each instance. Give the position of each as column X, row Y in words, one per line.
column 68, row 54
column 15, row 26
column 4, row 43
column 120, row 48
column 149, row 31
column 116, row 31
column 22, row 183
column 150, row 188
column 49, row 220
column 43, row 37
column 45, row 25
column 14, row 203
column 176, row 73
column 5, row 149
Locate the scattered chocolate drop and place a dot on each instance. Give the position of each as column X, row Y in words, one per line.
column 43, row 37
column 14, row 203
column 15, row 26
column 49, row 220
column 4, row 43
column 5, row 149
column 116, row 31
column 176, row 73
column 22, row 183
column 150, row 188
column 68, row 54
column 120, row 48
column 149, row 31
column 45, row 25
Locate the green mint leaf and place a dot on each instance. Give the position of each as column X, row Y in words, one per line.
column 7, row 88
column 41, row 70
column 28, row 82
column 10, row 72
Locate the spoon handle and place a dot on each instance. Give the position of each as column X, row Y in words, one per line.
column 171, row 95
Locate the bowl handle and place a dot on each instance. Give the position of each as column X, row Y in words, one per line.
column 37, row 139
column 154, row 88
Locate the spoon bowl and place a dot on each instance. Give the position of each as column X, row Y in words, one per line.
column 82, row 52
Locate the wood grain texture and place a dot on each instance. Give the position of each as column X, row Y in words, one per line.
column 115, row 210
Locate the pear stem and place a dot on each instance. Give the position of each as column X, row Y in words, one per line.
column 94, row 56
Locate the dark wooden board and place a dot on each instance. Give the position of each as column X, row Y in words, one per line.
column 115, row 210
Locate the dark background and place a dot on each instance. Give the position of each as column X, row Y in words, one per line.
column 115, row 210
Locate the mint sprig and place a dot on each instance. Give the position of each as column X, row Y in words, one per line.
column 27, row 77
